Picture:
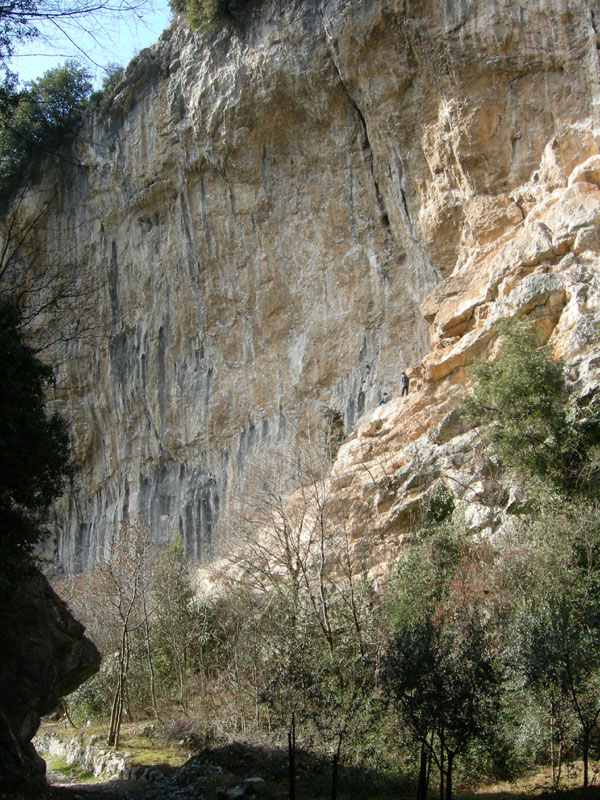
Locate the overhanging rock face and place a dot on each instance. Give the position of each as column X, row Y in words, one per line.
column 257, row 218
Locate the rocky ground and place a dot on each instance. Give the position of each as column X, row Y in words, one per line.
column 166, row 789
column 62, row 789
column 228, row 772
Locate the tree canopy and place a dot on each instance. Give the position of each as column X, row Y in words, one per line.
column 38, row 120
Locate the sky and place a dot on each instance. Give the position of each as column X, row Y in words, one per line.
column 107, row 39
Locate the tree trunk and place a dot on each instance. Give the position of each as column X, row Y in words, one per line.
column 65, row 708
column 335, row 769
column 118, row 720
column 292, row 757
column 119, row 699
column 552, row 749
column 560, row 760
column 422, row 784
column 115, row 713
column 150, row 661
column 586, row 756
column 442, row 774
column 429, row 760
column 449, row 775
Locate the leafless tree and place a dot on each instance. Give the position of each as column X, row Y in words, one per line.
column 64, row 22
column 290, row 543
column 120, row 590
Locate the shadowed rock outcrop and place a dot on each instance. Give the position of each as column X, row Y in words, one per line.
column 45, row 656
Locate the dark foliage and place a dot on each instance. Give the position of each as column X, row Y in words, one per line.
column 34, row 448
column 334, row 429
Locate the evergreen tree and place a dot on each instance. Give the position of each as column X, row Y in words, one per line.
column 533, row 427
column 442, row 668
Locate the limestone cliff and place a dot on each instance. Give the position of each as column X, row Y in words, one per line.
column 266, row 209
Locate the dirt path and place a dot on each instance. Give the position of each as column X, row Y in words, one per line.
column 63, row 788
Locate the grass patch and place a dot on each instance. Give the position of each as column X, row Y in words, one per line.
column 145, row 752
column 59, row 765
column 144, row 749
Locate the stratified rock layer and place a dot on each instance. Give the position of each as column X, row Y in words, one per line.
column 264, row 210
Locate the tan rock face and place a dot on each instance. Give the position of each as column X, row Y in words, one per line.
column 265, row 210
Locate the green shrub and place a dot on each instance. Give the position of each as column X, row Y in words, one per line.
column 208, row 15
column 437, row 507
column 113, row 76
column 92, row 700
column 527, row 418
column 334, row 430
